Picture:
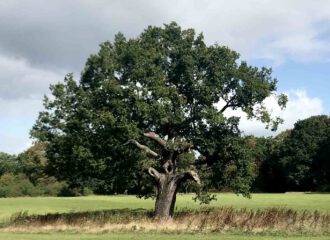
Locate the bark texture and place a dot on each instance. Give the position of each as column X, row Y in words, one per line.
column 166, row 197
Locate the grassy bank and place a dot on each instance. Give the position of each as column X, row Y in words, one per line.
column 207, row 220
column 154, row 236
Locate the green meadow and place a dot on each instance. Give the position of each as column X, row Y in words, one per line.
column 43, row 205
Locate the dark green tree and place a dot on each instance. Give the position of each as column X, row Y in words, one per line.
column 302, row 157
column 321, row 166
column 270, row 172
column 262, row 149
column 163, row 93
column 33, row 162
column 9, row 164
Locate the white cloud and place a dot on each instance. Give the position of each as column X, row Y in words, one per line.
column 21, row 91
column 20, row 80
column 14, row 144
column 41, row 38
column 63, row 33
column 300, row 106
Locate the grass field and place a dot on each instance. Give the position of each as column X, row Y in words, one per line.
column 43, row 205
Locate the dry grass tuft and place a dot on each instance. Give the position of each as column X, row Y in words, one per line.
column 283, row 220
column 204, row 220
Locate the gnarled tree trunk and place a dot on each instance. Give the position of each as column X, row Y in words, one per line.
column 167, row 187
column 166, row 197
column 168, row 179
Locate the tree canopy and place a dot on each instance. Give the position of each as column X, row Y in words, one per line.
column 303, row 155
column 155, row 104
column 8, row 163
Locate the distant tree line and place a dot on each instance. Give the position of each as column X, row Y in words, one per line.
column 294, row 160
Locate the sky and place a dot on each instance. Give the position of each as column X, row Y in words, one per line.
column 41, row 41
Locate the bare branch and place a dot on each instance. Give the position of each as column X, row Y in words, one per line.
column 143, row 148
column 154, row 173
column 156, row 138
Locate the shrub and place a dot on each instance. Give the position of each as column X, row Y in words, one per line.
column 19, row 185
column 49, row 186
column 16, row 185
column 66, row 191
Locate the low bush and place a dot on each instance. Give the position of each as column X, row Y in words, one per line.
column 66, row 191
column 16, row 185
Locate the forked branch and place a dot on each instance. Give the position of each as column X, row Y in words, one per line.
column 229, row 103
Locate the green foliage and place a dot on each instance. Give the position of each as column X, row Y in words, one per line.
column 204, row 197
column 298, row 159
column 26, row 174
column 34, row 162
column 269, row 177
column 9, row 164
column 66, row 191
column 185, row 161
column 237, row 169
column 167, row 80
column 49, row 186
column 14, row 186
column 321, row 166
column 303, row 154
column 19, row 185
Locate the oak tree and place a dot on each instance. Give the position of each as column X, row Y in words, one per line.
column 155, row 105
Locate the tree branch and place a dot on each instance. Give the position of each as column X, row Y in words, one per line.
column 229, row 104
column 143, row 148
column 192, row 175
column 156, row 138
column 154, row 173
